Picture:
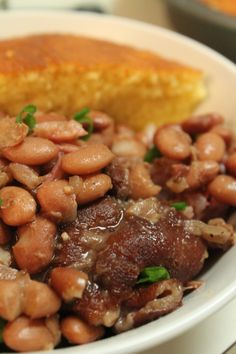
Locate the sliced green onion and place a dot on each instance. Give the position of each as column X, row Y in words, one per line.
column 179, row 206
column 152, row 275
column 1, row 202
column 27, row 116
column 82, row 117
column 2, row 325
column 152, row 153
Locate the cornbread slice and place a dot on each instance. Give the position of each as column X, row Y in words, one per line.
column 65, row 73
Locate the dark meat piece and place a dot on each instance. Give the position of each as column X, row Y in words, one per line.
column 162, row 170
column 118, row 170
column 147, row 304
column 137, row 244
column 98, row 307
column 79, row 241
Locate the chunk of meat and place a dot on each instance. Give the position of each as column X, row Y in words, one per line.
column 137, row 244
column 87, row 233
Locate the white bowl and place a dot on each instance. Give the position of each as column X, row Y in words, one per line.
column 220, row 279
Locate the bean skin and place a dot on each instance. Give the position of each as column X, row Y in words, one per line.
column 201, row 173
column 40, row 300
column 26, row 335
column 88, row 159
column 49, row 117
column 57, row 200
column 10, row 304
column 223, row 189
column 223, row 132
column 231, row 164
column 59, row 131
column 77, row 331
column 173, row 142
column 11, row 132
column 18, row 206
column 69, row 283
column 210, row 146
column 32, row 151
column 202, row 123
column 35, row 247
column 93, row 187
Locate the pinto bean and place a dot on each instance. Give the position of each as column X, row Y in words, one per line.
column 40, row 300
column 5, row 234
column 49, row 117
column 140, row 182
column 67, row 148
column 18, row 206
column 202, row 123
column 231, row 164
column 173, row 142
column 57, row 200
column 128, row 146
column 223, row 189
column 34, row 249
column 11, row 132
column 201, row 173
column 25, row 175
column 101, row 120
column 210, row 146
column 32, row 151
column 69, row 283
column 93, row 187
column 26, row 335
column 77, row 331
column 11, row 302
column 223, row 132
column 60, row 131
column 88, row 159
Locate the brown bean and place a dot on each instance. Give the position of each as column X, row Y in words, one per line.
column 11, row 301
column 223, row 189
column 88, row 159
column 77, row 331
column 101, row 120
column 57, row 200
column 49, row 117
column 32, row 151
column 128, row 147
column 35, row 247
column 231, row 164
column 67, row 148
column 140, row 182
column 223, row 132
column 60, row 132
column 173, row 142
column 40, row 300
column 201, row 173
column 93, row 187
column 210, row 146
column 201, row 123
column 18, row 206
column 26, row 335
column 5, row 234
column 69, row 283
column 25, row 175
column 11, row 132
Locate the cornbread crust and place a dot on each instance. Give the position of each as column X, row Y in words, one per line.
column 65, row 73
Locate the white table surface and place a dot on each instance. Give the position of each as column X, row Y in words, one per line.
column 218, row 332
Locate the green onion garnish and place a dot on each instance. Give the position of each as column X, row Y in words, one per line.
column 27, row 116
column 2, row 325
column 151, row 154
column 1, row 202
column 152, row 275
column 82, row 117
column 179, row 206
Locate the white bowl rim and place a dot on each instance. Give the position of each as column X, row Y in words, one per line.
column 133, row 341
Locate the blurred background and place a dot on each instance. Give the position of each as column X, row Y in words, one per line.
column 212, row 22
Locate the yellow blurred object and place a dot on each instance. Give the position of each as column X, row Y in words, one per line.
column 65, row 73
column 226, row 6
